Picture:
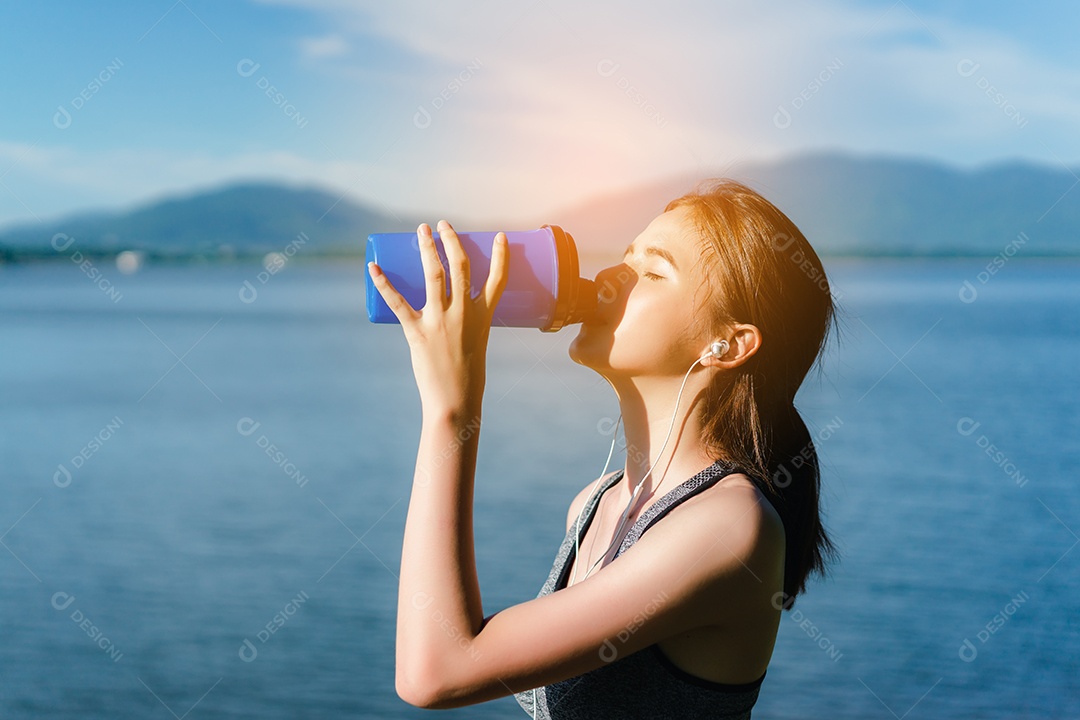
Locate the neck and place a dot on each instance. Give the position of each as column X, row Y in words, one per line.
column 647, row 406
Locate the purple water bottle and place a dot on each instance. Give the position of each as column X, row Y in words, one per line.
column 543, row 287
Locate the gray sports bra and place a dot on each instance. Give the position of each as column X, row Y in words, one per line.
column 645, row 684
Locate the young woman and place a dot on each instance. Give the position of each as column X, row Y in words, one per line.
column 705, row 331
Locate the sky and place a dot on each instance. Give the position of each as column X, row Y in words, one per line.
column 509, row 109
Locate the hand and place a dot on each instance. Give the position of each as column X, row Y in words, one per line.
column 448, row 338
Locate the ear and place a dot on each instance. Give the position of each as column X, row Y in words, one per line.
column 743, row 341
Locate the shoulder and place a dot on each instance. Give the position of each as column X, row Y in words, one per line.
column 739, row 511
column 579, row 501
column 727, row 528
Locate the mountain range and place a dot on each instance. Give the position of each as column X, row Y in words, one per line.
column 844, row 204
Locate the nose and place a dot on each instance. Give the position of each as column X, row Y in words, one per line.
column 605, row 287
column 609, row 286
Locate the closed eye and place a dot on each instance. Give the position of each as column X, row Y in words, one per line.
column 650, row 275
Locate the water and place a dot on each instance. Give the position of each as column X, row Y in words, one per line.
column 173, row 537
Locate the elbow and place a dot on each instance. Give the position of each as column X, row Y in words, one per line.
column 414, row 689
column 433, row 679
column 421, row 686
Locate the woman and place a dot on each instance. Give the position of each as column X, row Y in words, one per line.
column 721, row 300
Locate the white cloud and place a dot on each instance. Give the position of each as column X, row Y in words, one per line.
column 711, row 78
column 533, row 106
column 325, row 46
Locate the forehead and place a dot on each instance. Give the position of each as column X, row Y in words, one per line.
column 674, row 231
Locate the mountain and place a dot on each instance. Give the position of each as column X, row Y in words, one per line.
column 244, row 219
column 848, row 205
column 844, row 204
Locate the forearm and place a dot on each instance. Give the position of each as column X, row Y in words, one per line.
column 439, row 605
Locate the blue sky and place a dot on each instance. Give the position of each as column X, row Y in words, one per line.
column 509, row 109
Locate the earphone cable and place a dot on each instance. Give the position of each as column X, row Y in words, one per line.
column 633, row 495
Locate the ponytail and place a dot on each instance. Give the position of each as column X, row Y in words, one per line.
column 794, row 486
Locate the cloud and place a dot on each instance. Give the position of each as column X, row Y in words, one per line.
column 519, row 108
column 697, row 83
column 326, row 46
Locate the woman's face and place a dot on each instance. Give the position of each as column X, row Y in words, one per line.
column 646, row 315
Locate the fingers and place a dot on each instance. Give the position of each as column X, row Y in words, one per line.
column 394, row 300
column 434, row 274
column 458, row 260
column 435, row 277
column 459, row 268
column 500, row 263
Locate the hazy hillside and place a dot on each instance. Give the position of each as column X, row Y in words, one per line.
column 873, row 206
column 237, row 220
column 845, row 205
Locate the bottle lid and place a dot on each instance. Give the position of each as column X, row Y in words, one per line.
column 576, row 297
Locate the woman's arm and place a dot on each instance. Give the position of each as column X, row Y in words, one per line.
column 719, row 558
column 712, row 562
column 439, row 606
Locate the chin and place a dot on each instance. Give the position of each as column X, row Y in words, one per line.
column 574, row 351
column 579, row 351
column 592, row 353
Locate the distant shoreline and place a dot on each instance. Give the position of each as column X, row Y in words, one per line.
column 590, row 260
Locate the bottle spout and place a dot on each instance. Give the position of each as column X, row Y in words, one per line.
column 584, row 308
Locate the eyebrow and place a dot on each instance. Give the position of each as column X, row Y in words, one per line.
column 657, row 251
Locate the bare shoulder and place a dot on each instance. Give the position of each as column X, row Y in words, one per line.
column 732, row 517
column 579, row 501
column 737, row 494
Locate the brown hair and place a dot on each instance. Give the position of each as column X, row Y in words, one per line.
column 762, row 271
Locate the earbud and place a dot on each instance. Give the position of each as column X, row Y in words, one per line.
column 718, row 349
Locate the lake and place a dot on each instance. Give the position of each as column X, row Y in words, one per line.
column 204, row 497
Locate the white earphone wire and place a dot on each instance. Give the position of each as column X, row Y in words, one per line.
column 633, row 496
column 596, row 485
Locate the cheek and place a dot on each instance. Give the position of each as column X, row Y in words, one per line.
column 650, row 336
column 647, row 338
column 667, row 319
column 656, row 310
